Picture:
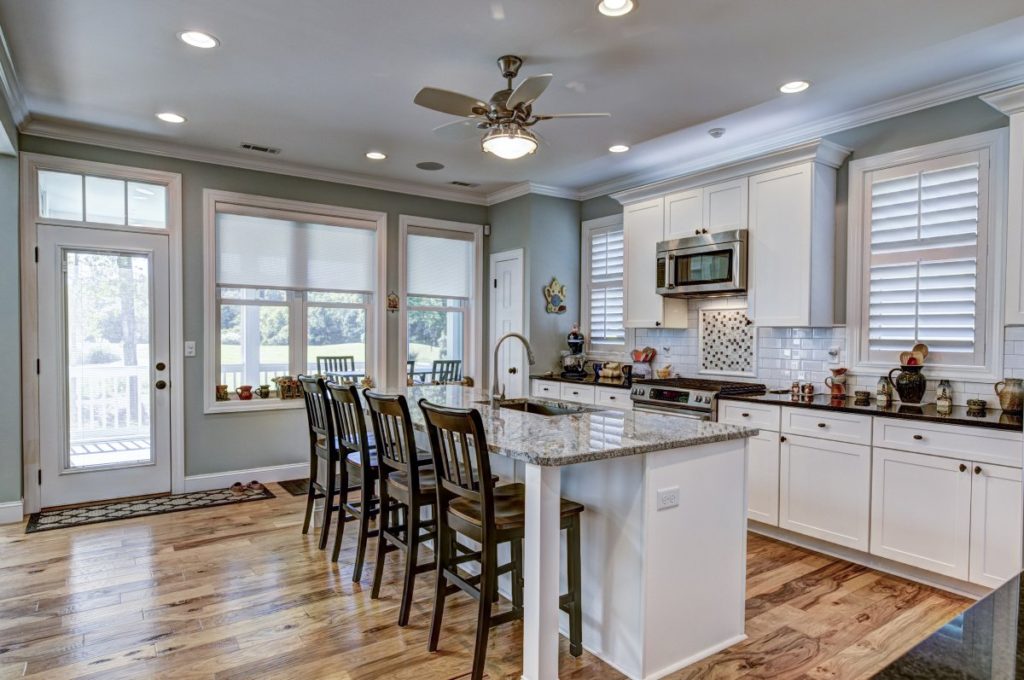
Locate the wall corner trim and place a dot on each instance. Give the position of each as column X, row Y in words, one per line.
column 1008, row 101
column 12, row 512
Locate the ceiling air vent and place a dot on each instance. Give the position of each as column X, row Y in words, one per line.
column 463, row 184
column 259, row 148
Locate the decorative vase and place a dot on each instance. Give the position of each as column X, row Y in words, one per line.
column 1011, row 395
column 244, row 392
column 837, row 382
column 910, row 384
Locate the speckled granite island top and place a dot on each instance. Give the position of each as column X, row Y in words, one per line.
column 578, row 437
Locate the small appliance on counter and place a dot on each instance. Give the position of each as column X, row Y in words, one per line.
column 574, row 361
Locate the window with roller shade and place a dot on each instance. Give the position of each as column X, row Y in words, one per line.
column 602, row 276
column 292, row 293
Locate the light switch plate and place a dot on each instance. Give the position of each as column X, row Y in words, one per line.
column 668, row 498
column 190, row 348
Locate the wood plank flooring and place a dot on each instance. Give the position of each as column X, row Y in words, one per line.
column 238, row 592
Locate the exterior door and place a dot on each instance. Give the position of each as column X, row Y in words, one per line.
column 104, row 402
column 506, row 317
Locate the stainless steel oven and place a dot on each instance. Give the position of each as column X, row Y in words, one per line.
column 708, row 265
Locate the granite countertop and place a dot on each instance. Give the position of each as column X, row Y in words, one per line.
column 992, row 418
column 589, row 380
column 984, row 642
column 577, row 438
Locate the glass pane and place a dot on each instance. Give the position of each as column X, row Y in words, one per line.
column 253, row 345
column 433, row 336
column 713, row 267
column 147, row 205
column 60, row 195
column 255, row 294
column 107, row 332
column 341, row 298
column 335, row 332
column 104, row 200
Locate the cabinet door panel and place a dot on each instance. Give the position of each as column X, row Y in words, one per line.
column 725, row 205
column 684, row 214
column 921, row 511
column 643, row 224
column 580, row 393
column 995, row 524
column 825, row 490
column 763, row 478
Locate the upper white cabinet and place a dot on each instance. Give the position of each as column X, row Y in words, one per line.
column 644, row 227
column 685, row 214
column 792, row 234
column 709, row 209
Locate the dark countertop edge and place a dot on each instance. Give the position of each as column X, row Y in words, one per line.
column 588, row 381
column 824, row 403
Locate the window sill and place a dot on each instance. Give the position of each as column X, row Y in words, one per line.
column 238, row 406
column 933, row 372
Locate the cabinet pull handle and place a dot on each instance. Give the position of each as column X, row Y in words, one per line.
column 745, row 415
column 657, row 323
column 696, row 232
column 977, row 469
column 822, row 425
column 783, row 438
column 703, row 231
column 962, row 467
column 918, row 437
column 611, row 397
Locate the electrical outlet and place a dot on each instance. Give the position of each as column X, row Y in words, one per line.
column 668, row 498
column 833, row 354
column 190, row 348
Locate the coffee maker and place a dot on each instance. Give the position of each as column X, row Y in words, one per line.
column 574, row 361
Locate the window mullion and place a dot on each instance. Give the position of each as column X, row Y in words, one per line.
column 297, row 333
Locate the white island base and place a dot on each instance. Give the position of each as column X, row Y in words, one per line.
column 662, row 589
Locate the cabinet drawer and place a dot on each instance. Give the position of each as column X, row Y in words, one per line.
column 612, row 396
column 958, row 441
column 840, row 427
column 546, row 388
column 763, row 416
column 580, row 393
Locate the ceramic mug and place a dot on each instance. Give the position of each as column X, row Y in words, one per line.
column 263, row 391
column 244, row 392
column 222, row 393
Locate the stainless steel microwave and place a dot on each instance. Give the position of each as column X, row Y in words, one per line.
column 708, row 265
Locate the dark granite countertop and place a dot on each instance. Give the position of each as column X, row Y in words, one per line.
column 992, row 418
column 589, row 380
column 986, row 641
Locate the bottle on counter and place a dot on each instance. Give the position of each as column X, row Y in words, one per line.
column 944, row 398
column 883, row 393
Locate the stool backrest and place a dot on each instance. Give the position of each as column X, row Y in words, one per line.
column 325, row 365
column 321, row 428
column 446, row 370
column 461, row 462
column 394, row 436
column 349, row 421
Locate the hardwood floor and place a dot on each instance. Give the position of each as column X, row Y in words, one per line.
column 238, row 592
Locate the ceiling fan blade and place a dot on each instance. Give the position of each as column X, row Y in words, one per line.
column 573, row 115
column 453, row 103
column 529, row 90
column 458, row 130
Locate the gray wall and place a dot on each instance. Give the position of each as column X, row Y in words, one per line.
column 10, row 334
column 234, row 441
column 602, row 206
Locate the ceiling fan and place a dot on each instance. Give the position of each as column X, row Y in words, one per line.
column 506, row 117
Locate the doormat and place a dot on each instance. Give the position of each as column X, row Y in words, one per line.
column 296, row 487
column 63, row 518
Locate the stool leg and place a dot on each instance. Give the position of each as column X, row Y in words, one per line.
column 412, row 542
column 310, row 493
column 342, row 513
column 575, row 587
column 517, row 576
column 488, row 567
column 444, row 548
column 365, row 506
column 328, row 504
column 383, row 519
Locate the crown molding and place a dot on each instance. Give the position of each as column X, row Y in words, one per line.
column 1008, row 101
column 116, row 140
column 10, row 86
column 524, row 188
column 969, row 86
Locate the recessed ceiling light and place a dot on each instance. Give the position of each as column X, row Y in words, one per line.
column 376, row 155
column 615, row 8
column 794, row 86
column 198, row 39
column 430, row 166
column 618, row 148
column 169, row 117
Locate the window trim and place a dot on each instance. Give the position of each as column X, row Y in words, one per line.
column 607, row 351
column 473, row 363
column 992, row 267
column 279, row 208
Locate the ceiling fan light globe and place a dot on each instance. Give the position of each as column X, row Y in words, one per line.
column 615, row 8
column 509, row 143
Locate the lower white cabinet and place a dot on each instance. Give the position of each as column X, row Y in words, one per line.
column 763, row 477
column 995, row 524
column 921, row 511
column 545, row 388
column 581, row 393
column 825, row 490
column 613, row 397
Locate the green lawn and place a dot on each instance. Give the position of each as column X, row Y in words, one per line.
column 278, row 354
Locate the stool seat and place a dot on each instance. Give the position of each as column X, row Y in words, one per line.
column 509, row 507
column 428, row 482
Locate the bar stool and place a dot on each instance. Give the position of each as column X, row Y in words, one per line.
column 469, row 504
column 358, row 470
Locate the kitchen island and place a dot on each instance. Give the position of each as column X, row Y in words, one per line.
column 663, row 534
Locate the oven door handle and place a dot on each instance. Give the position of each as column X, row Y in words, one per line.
column 665, row 410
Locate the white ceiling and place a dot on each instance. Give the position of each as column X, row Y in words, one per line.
column 327, row 80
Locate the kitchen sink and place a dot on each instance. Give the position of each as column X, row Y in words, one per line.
column 543, row 408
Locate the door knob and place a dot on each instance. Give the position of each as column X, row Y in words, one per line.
column 962, row 467
column 160, row 366
column 977, row 469
column 160, row 384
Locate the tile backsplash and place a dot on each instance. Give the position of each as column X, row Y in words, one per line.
column 788, row 354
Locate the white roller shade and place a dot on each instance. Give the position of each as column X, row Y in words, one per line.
column 606, row 288
column 439, row 266
column 277, row 253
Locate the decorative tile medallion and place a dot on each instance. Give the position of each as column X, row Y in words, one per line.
column 727, row 342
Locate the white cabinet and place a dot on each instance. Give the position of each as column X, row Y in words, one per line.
column 763, row 478
column 716, row 207
column 615, row 397
column 581, row 393
column 842, row 427
column 995, row 524
column 921, row 511
column 644, row 228
column 791, row 258
column 549, row 389
column 684, row 214
column 825, row 490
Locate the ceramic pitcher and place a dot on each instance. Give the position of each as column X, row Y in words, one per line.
column 1011, row 395
column 910, row 384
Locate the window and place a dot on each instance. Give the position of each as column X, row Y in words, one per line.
column 101, row 200
column 293, row 293
column 928, row 253
column 602, row 272
column 441, row 271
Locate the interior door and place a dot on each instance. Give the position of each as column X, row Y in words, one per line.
column 506, row 317
column 104, row 403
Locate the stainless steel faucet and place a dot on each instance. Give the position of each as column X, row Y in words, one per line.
column 497, row 395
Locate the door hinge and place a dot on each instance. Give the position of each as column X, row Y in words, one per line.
column 37, row 253
column 38, row 366
column 495, row 283
column 40, row 471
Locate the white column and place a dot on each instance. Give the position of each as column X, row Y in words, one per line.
column 540, row 571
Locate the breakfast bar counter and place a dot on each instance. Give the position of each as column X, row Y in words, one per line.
column 663, row 533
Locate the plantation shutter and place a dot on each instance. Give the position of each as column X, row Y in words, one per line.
column 606, row 291
column 926, row 240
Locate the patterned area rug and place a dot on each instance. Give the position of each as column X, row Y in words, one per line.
column 108, row 512
column 296, row 487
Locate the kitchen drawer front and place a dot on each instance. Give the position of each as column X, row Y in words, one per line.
column 612, row 396
column 581, row 393
column 546, row 388
column 977, row 444
column 840, row 427
column 762, row 416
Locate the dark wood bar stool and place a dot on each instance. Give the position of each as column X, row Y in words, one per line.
column 406, row 485
column 358, row 470
column 468, row 503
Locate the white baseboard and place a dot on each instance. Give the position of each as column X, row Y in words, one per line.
column 222, row 480
column 12, row 512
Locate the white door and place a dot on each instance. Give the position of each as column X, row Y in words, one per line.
column 104, row 402
column 507, row 317
column 921, row 511
column 763, row 477
column 684, row 216
column 995, row 524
